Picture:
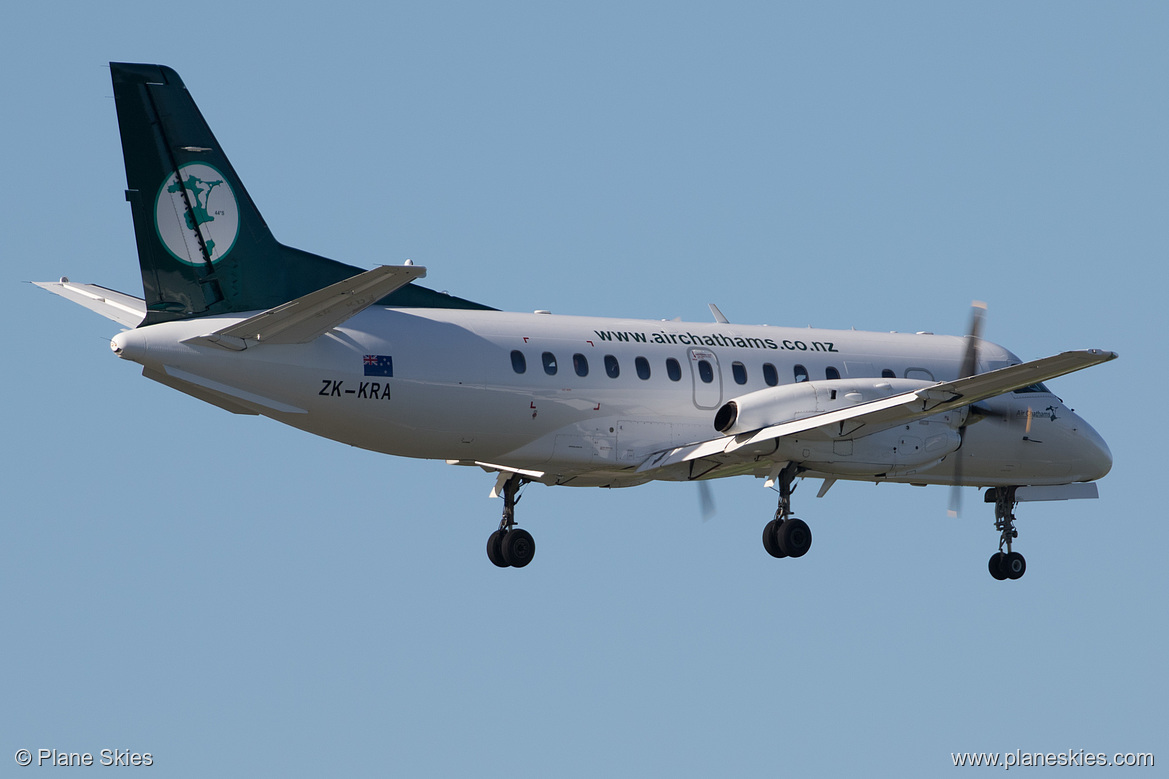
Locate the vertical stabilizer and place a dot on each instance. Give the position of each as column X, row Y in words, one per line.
column 202, row 244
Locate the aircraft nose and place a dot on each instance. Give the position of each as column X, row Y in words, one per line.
column 1094, row 456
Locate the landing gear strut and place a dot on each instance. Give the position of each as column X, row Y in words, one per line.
column 1009, row 564
column 511, row 546
column 786, row 536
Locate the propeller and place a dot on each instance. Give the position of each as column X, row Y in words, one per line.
column 972, row 414
column 705, row 500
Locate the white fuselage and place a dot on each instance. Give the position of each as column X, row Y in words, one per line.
column 597, row 396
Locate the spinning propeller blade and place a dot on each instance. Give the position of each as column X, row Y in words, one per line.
column 969, row 368
column 705, row 500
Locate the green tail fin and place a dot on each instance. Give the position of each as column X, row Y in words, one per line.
column 203, row 246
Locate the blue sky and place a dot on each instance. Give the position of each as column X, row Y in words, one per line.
column 238, row 598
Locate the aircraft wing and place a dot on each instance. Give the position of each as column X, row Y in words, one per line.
column 122, row 308
column 884, row 413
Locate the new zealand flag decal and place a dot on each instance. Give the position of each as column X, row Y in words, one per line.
column 379, row 365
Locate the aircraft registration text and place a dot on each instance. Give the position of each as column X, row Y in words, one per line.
column 370, row 390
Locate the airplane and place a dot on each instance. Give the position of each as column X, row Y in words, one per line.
column 370, row 358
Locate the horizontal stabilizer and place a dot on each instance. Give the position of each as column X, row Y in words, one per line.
column 122, row 308
column 250, row 400
column 302, row 320
column 225, row 402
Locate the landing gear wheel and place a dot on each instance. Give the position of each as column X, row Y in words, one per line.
column 998, row 566
column 495, row 549
column 1009, row 564
column 510, row 546
column 1014, row 565
column 518, row 547
column 786, row 536
column 771, row 539
column 794, row 537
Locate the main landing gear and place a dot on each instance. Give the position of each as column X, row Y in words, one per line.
column 511, row 546
column 786, row 536
column 1009, row 564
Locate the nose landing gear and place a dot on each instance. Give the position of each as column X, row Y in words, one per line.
column 510, row 546
column 1009, row 564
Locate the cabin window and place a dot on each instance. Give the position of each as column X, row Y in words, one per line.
column 673, row 369
column 831, row 373
column 921, row 374
column 801, row 373
column 888, row 374
column 580, row 364
column 770, row 375
column 612, row 367
column 518, row 363
column 642, row 366
column 549, row 363
column 705, row 372
column 739, row 371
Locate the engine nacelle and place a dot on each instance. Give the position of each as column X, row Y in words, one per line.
column 787, row 403
column 900, row 450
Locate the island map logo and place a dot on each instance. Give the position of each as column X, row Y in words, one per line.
column 197, row 201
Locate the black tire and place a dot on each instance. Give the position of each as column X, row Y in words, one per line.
column 771, row 539
column 1015, row 565
column 795, row 537
column 495, row 549
column 997, row 565
column 518, row 547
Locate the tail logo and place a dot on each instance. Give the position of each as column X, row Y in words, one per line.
column 196, row 214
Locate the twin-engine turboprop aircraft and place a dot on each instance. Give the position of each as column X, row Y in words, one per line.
column 372, row 359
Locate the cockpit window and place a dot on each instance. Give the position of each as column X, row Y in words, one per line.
column 1036, row 387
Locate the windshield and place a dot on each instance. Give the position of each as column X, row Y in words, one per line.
column 1036, row 387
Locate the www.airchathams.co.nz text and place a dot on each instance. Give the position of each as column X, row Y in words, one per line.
column 691, row 339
